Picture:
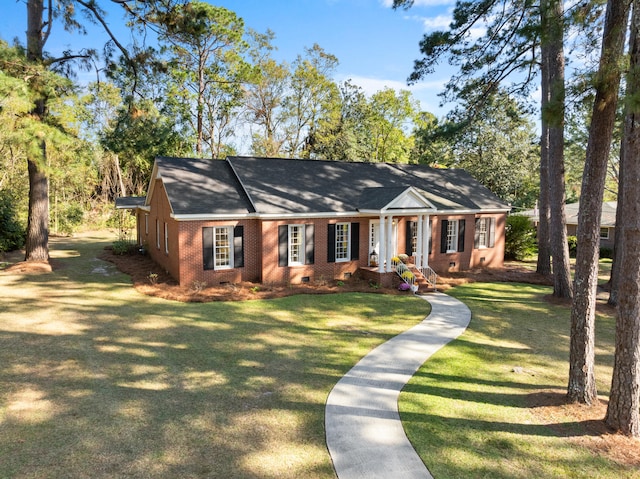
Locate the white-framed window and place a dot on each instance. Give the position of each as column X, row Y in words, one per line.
column 452, row 236
column 222, row 251
column 166, row 238
column 604, row 233
column 414, row 238
column 157, row 234
column 146, row 223
column 343, row 246
column 482, row 231
column 296, row 245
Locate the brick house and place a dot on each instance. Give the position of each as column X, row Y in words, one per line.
column 271, row 220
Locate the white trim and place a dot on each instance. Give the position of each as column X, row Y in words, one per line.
column 329, row 215
column 302, row 252
column 348, row 248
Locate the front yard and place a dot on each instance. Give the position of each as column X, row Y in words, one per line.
column 98, row 380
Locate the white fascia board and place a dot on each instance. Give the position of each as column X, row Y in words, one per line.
column 152, row 182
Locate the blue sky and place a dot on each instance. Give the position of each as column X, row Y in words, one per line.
column 376, row 45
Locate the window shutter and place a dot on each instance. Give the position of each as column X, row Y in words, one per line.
column 355, row 241
column 283, row 245
column 443, row 236
column 476, row 234
column 461, row 235
column 238, row 246
column 207, row 248
column 408, row 243
column 492, row 233
column 430, row 236
column 309, row 246
column 331, row 243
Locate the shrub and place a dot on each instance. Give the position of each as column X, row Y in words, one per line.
column 606, row 253
column 121, row 247
column 12, row 232
column 573, row 245
column 520, row 240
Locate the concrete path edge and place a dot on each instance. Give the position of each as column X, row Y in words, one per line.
column 364, row 433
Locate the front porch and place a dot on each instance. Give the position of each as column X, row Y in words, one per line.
column 420, row 280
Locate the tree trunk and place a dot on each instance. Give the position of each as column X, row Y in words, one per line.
column 582, row 381
column 553, row 92
column 614, row 279
column 37, row 243
column 623, row 411
column 544, row 247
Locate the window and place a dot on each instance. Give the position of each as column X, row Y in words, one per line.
column 485, row 233
column 296, row 245
column 481, row 231
column 452, row 236
column 222, row 247
column 414, row 239
column 604, row 233
column 157, row 234
column 342, row 242
column 146, row 223
column 166, row 238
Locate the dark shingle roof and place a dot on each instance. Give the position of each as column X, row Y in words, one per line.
column 243, row 185
column 129, row 202
column 201, row 187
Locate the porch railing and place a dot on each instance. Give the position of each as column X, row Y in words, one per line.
column 409, row 277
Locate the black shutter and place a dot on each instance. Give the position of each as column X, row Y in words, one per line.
column 283, row 245
column 492, row 233
column 355, row 241
column 430, row 233
column 238, row 246
column 309, row 246
column 408, row 242
column 207, row 248
column 461, row 235
column 476, row 234
column 443, row 236
column 331, row 243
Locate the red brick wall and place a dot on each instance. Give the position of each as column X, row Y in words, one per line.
column 321, row 269
column 185, row 259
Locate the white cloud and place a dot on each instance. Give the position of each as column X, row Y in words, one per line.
column 440, row 22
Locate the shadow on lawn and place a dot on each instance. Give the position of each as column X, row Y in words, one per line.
column 100, row 381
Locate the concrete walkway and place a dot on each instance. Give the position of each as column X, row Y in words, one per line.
column 365, row 436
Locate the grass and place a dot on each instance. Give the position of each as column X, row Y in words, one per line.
column 100, row 381
column 468, row 409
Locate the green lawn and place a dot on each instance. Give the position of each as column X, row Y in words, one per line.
column 99, row 381
column 467, row 409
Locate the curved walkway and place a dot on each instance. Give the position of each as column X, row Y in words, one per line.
column 365, row 436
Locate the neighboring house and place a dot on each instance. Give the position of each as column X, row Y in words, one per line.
column 607, row 221
column 285, row 221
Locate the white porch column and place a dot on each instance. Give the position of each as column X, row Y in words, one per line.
column 389, row 241
column 382, row 254
column 426, row 235
column 419, row 236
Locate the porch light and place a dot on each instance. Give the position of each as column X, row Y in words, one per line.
column 373, row 258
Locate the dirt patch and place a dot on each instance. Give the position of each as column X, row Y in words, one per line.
column 584, row 425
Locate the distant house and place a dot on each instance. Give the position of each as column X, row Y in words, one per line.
column 273, row 220
column 607, row 221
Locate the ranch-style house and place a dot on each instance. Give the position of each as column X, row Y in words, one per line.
column 281, row 221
